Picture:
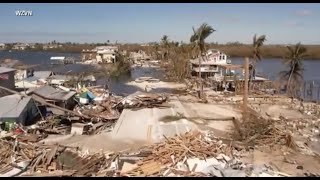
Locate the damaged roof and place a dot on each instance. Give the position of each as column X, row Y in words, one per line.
column 69, row 77
column 13, row 105
column 42, row 74
column 51, row 93
column 5, row 70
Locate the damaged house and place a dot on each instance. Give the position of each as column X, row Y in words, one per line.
column 19, row 109
column 2, row 46
column 71, row 80
column 20, row 46
column 58, row 97
column 87, row 54
column 7, row 78
column 140, row 55
column 106, row 54
column 37, row 79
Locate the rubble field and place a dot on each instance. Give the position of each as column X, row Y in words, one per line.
column 161, row 134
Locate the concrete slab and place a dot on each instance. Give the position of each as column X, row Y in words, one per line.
column 136, row 128
column 145, row 124
column 211, row 110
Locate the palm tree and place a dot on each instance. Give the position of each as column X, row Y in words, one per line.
column 257, row 43
column 198, row 39
column 165, row 43
column 294, row 60
column 165, row 40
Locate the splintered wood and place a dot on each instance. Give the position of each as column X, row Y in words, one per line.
column 139, row 100
column 190, row 144
column 49, row 160
column 260, row 131
column 177, row 149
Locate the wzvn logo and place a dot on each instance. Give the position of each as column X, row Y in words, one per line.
column 24, row 13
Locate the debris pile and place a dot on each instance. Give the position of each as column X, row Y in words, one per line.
column 41, row 160
column 99, row 111
column 191, row 154
column 260, row 131
column 139, row 99
column 147, row 79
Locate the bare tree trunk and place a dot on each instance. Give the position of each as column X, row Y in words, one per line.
column 200, row 78
column 289, row 80
column 251, row 74
column 246, row 83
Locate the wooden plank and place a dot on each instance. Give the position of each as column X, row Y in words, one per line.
column 150, row 168
column 52, row 174
column 149, row 139
column 51, row 154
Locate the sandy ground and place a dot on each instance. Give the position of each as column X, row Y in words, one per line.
column 284, row 160
column 278, row 110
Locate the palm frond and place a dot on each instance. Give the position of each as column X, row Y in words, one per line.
column 193, row 38
column 294, row 60
column 199, row 36
column 257, row 43
column 205, row 31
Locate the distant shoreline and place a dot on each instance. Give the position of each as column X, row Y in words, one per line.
column 233, row 51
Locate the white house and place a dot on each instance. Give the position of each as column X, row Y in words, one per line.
column 2, row 46
column 211, row 63
column 107, row 54
column 20, row 46
column 51, row 46
column 140, row 55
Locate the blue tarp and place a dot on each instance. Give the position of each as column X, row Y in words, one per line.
column 89, row 95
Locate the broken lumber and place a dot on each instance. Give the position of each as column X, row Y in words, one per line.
column 52, row 174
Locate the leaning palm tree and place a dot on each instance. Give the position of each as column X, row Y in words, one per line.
column 257, row 43
column 198, row 39
column 294, row 61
